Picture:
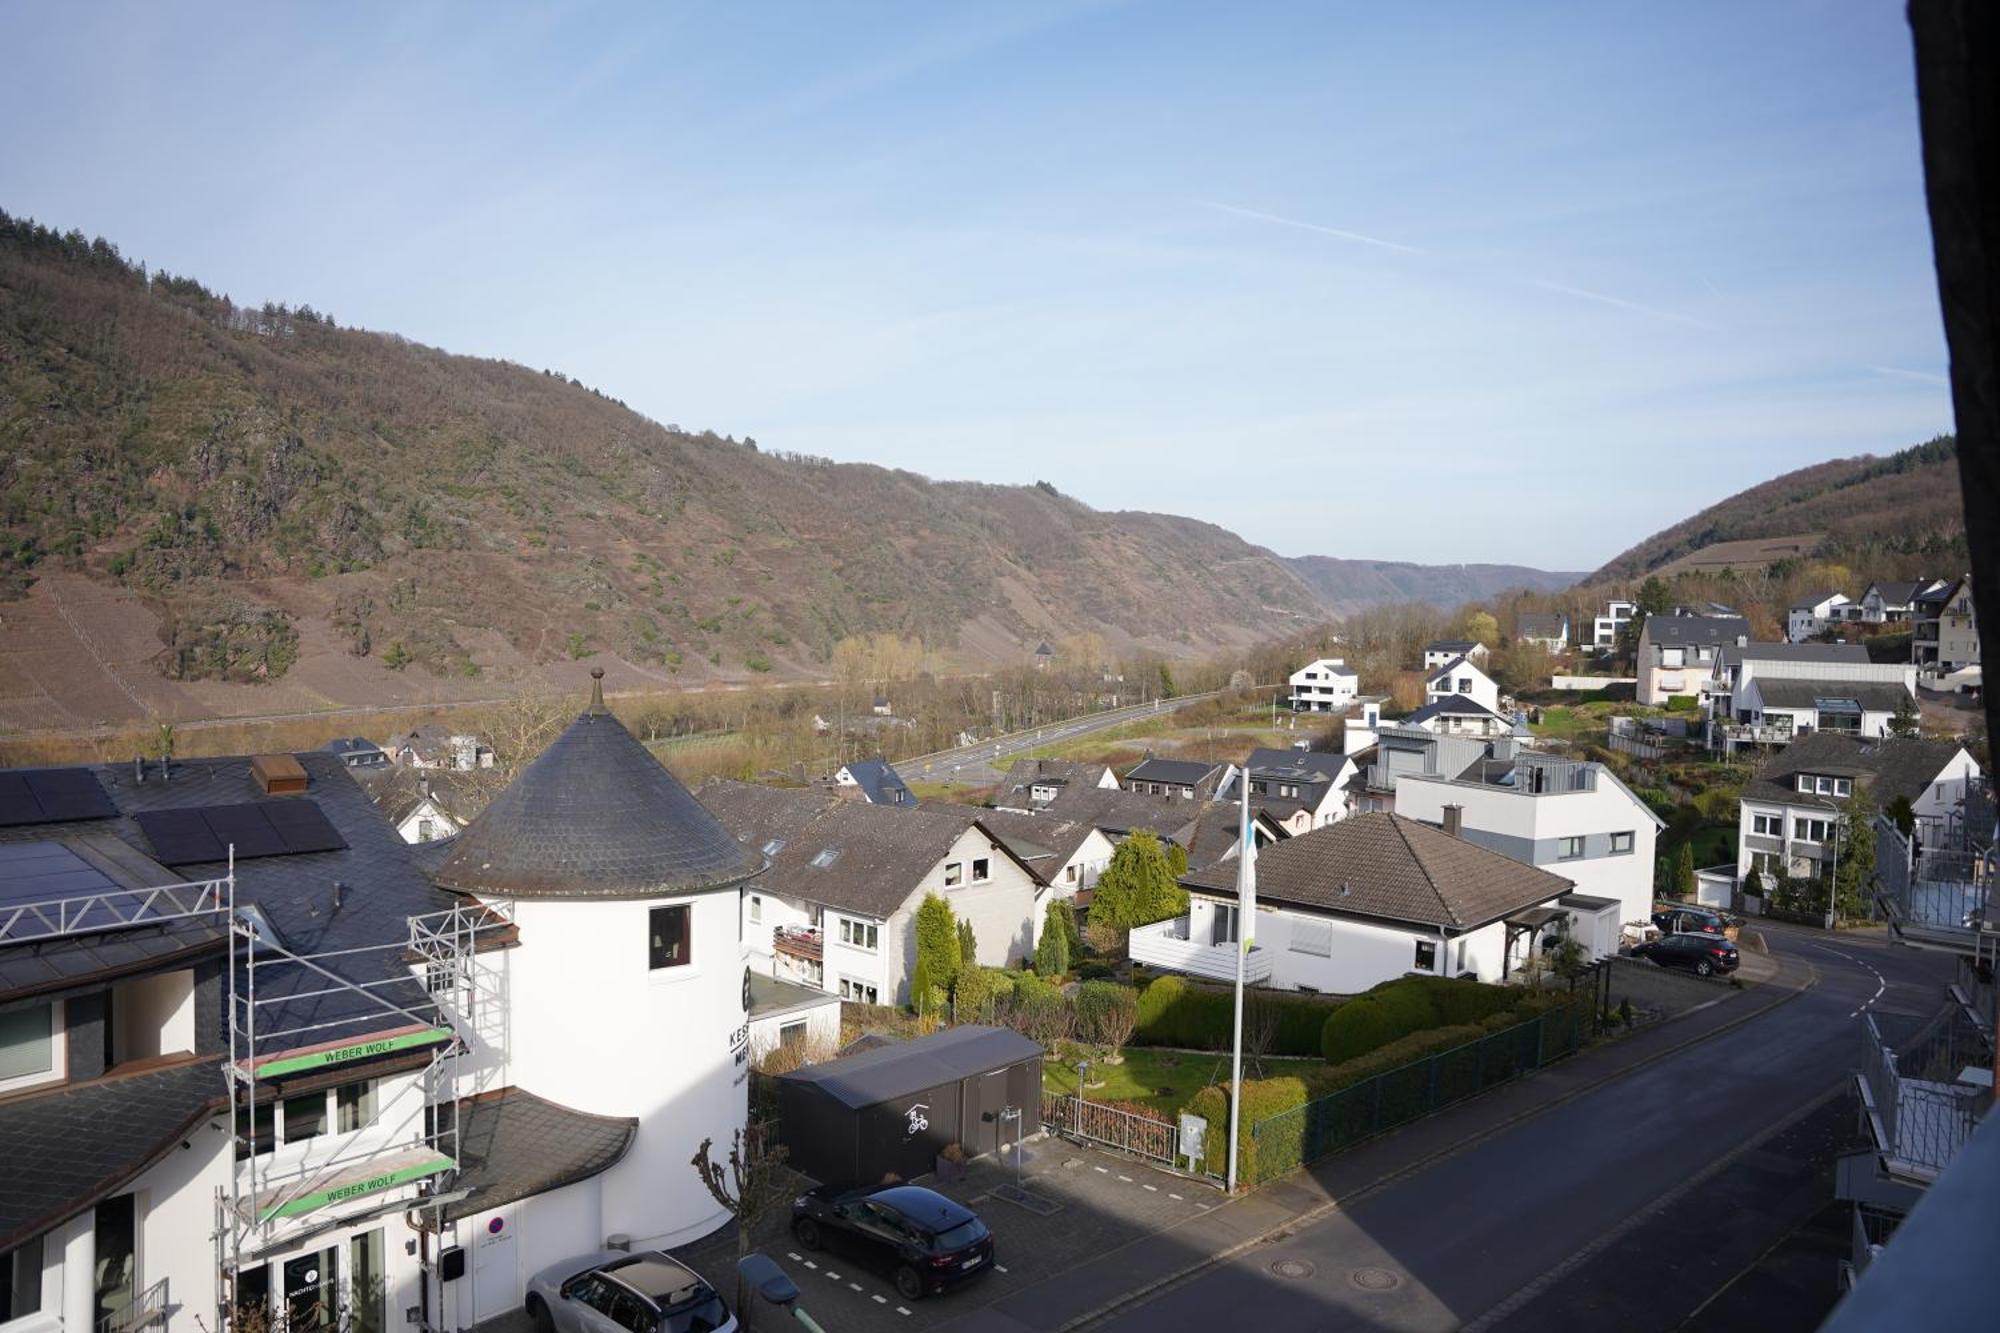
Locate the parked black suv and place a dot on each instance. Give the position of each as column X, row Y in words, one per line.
column 1682, row 920
column 920, row 1239
column 1703, row 955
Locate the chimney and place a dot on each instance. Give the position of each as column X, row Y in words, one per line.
column 278, row 774
column 1454, row 820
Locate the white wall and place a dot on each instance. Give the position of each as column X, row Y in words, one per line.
column 1365, row 953
column 1001, row 910
column 1482, row 689
column 822, row 1028
column 594, row 1029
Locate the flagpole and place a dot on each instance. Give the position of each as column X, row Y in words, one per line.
column 1245, row 854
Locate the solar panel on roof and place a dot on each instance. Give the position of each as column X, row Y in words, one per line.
column 200, row 834
column 52, row 795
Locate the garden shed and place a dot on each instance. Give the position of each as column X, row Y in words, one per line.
column 894, row 1108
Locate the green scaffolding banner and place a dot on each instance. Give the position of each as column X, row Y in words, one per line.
column 354, row 1189
column 360, row 1050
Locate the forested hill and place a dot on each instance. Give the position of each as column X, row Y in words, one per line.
column 1869, row 513
column 1347, row 586
column 260, row 495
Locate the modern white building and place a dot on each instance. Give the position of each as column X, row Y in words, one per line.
column 1768, row 693
column 1461, row 678
column 1791, row 809
column 1363, row 901
column 1810, row 618
column 1894, row 601
column 1303, row 790
column 1459, row 715
column 1944, row 634
column 1574, row 819
column 1604, row 629
column 1327, row 685
column 1544, row 629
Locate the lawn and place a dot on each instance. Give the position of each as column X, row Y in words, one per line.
column 1162, row 1080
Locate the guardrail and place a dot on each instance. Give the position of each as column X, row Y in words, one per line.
column 112, row 909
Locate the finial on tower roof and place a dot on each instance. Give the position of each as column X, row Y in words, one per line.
column 597, row 708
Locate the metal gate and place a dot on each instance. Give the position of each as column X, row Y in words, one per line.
column 1154, row 1139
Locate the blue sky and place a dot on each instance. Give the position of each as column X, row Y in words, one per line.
column 1473, row 282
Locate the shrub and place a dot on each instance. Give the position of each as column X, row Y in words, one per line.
column 1173, row 1013
column 1462, row 1000
column 1040, row 1011
column 1095, row 971
column 1391, row 1010
column 1105, row 1012
column 973, row 996
column 1052, row 950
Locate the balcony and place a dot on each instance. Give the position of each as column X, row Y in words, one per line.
column 1165, row 945
column 1918, row 1124
column 798, row 942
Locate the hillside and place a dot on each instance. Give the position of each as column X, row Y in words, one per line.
column 212, row 510
column 1872, row 514
column 1347, row 586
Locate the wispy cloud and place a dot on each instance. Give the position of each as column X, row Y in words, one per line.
column 1921, row 376
column 1335, row 232
column 1620, row 302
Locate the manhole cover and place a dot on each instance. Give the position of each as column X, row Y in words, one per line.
column 1374, row 1279
column 1293, row 1268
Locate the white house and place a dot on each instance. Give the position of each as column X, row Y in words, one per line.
column 1809, row 619
column 1400, row 749
column 1767, row 693
column 1363, row 901
column 876, row 781
column 835, row 906
column 1302, row 790
column 1944, row 635
column 1574, row 819
column 1604, row 629
column 1894, row 601
column 1676, row 653
column 1460, row 677
column 1034, row 784
column 1065, row 852
column 1791, row 809
column 1459, row 715
column 1545, row 629
column 1327, row 685
column 1441, row 651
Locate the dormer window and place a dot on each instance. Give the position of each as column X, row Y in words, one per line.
column 774, row 846
column 825, row 857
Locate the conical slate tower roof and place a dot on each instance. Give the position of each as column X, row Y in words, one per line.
column 596, row 816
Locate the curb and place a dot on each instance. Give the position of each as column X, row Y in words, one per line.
column 1292, row 1225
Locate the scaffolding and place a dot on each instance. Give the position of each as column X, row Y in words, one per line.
column 427, row 999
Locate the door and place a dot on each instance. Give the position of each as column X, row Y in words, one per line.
column 989, row 1100
column 495, row 1267
column 117, row 1276
column 309, row 1290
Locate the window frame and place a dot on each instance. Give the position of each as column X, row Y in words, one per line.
column 980, row 871
column 287, row 1135
column 1564, row 846
column 856, row 933
column 954, row 874
column 1436, row 952
column 1631, row 838
column 654, row 954
column 58, row 1066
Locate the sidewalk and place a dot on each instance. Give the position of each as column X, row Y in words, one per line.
column 1086, row 1292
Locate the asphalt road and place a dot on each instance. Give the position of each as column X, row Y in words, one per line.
column 1545, row 1225
column 988, row 761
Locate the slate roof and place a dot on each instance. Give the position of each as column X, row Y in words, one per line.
column 880, row 783
column 1817, row 598
column 1733, row 654
column 1459, row 646
column 1541, row 625
column 1451, row 705
column 1045, row 842
column 1392, row 868
column 1694, row 631
column 1898, row 593
column 1903, row 766
column 397, row 792
column 882, row 854
column 1026, row 773
column 595, row 816
column 1186, row 772
column 1295, row 765
column 513, row 1144
column 900, row 1068
column 1874, row 696
column 66, row 1149
column 1451, row 666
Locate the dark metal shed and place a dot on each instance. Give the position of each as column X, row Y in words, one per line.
column 891, row 1110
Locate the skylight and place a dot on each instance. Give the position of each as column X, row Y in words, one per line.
column 826, row 857
column 774, row 846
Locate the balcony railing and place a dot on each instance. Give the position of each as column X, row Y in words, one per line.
column 1165, row 944
column 799, row 942
column 145, row 1309
column 1919, row 1124
column 114, row 908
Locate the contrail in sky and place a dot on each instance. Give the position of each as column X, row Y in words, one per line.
column 1922, row 376
column 1273, row 218
column 1578, row 292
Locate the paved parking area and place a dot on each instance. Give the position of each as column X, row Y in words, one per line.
column 1657, row 992
column 1102, row 1201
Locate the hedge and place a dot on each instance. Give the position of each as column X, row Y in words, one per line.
column 1408, row 1005
column 1174, row 1013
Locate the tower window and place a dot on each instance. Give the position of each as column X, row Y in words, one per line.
column 669, row 939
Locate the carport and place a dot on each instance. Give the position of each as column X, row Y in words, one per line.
column 892, row 1109
column 1593, row 921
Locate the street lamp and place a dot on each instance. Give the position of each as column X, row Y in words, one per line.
column 763, row 1273
column 1082, row 1077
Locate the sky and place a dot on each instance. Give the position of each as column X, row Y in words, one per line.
column 1516, row 283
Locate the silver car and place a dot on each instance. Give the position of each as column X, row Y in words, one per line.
column 614, row 1291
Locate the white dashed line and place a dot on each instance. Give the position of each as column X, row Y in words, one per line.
column 809, row 1263
column 855, row 1285
column 902, row 1309
column 1154, row 1188
column 1126, row 1179
column 1100, row 1171
column 835, row 1276
column 999, row 1268
column 1170, row 1195
column 1881, row 982
column 879, row 1300
column 793, row 1255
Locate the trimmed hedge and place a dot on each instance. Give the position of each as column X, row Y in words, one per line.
column 1174, row 1013
column 1396, row 1009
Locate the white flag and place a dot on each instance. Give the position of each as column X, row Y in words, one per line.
column 1246, row 872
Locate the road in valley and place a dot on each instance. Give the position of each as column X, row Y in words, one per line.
column 1539, row 1226
column 987, row 762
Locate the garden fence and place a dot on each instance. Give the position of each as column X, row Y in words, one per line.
column 1295, row 1138
column 1153, row 1138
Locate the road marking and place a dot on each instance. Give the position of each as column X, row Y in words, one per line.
column 835, row 1276
column 793, row 1255
column 807, row 1262
column 902, row 1309
column 1126, row 1179
column 855, row 1285
column 1170, row 1195
column 1881, row 982
column 1154, row 1188
column 879, row 1300
column 1100, row 1171
column 999, row 1268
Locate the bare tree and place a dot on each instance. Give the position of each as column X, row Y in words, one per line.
column 748, row 1184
